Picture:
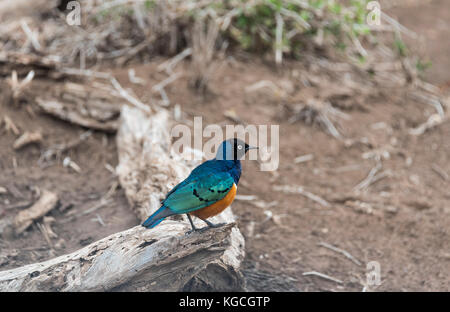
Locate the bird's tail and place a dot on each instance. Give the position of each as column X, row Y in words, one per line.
column 157, row 217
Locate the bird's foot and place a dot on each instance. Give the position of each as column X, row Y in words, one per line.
column 193, row 228
column 212, row 225
column 199, row 230
column 191, row 231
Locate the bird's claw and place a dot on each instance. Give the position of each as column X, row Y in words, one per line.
column 217, row 225
column 199, row 230
column 212, row 225
column 190, row 231
column 203, row 229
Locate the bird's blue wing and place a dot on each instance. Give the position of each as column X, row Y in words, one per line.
column 198, row 191
column 205, row 168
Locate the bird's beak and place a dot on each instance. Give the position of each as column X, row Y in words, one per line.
column 252, row 147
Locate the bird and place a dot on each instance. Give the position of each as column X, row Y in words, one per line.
column 208, row 190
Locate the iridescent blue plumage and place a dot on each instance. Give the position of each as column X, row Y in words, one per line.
column 207, row 184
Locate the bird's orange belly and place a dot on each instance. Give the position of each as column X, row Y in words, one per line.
column 217, row 207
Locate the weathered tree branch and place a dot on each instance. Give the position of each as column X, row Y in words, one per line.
column 136, row 259
column 88, row 106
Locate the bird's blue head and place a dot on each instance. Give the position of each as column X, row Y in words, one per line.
column 232, row 149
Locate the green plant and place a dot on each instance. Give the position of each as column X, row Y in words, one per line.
column 254, row 25
column 422, row 65
column 400, row 47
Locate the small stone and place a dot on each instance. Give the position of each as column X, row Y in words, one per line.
column 419, row 204
column 408, row 161
column 414, row 178
column 391, row 209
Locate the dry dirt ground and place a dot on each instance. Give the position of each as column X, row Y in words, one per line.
column 401, row 221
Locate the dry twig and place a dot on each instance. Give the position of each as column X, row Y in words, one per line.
column 25, row 218
column 324, row 276
column 18, row 87
column 295, row 189
column 341, row 251
column 27, row 138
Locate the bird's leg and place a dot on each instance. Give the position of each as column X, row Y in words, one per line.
column 194, row 229
column 192, row 225
column 209, row 223
column 212, row 225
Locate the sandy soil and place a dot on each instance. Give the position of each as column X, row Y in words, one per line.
column 402, row 221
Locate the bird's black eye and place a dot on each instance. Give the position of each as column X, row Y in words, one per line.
column 239, row 147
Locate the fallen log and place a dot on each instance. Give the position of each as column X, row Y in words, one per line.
column 23, row 63
column 133, row 260
column 146, row 168
column 164, row 258
column 84, row 105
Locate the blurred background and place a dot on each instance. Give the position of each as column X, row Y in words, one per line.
column 361, row 94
